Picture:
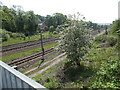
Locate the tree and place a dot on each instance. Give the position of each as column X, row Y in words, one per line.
column 31, row 22
column 51, row 29
column 55, row 20
column 115, row 27
column 20, row 21
column 59, row 18
column 75, row 41
column 8, row 19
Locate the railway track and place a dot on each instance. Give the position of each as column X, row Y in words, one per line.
column 31, row 43
column 9, row 49
column 29, row 60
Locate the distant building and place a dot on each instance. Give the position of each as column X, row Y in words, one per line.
column 42, row 25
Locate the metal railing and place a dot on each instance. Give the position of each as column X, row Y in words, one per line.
column 11, row 78
column 119, row 10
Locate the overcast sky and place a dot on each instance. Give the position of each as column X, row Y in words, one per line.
column 98, row 11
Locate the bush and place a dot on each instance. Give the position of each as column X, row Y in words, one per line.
column 101, row 38
column 17, row 35
column 106, row 64
column 4, row 35
column 14, row 35
column 50, row 83
column 111, row 40
column 55, row 32
column 10, row 33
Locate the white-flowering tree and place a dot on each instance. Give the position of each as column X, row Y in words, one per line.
column 75, row 40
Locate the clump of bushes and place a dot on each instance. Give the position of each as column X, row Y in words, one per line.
column 101, row 38
column 55, row 32
column 105, row 62
column 17, row 35
column 108, row 39
column 111, row 40
column 6, row 35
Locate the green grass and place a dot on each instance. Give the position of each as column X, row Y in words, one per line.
column 73, row 77
column 37, row 77
column 98, row 70
column 18, row 40
column 38, row 69
column 32, row 38
column 101, row 54
column 52, row 71
column 22, row 54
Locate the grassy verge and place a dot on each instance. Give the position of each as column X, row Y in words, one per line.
column 98, row 70
column 58, row 77
column 22, row 54
column 49, row 76
column 32, row 38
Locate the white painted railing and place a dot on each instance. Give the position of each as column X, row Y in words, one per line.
column 119, row 10
column 11, row 78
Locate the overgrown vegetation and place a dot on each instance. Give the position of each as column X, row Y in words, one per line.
column 115, row 28
column 110, row 40
column 99, row 69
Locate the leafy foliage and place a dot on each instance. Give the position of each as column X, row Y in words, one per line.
column 115, row 27
column 55, row 20
column 6, row 35
column 75, row 40
column 16, row 20
column 106, row 64
column 50, row 83
column 110, row 39
column 101, row 38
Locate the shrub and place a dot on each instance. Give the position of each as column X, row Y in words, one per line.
column 14, row 35
column 111, row 40
column 50, row 83
column 55, row 32
column 107, row 68
column 101, row 38
column 10, row 33
column 17, row 35
column 6, row 37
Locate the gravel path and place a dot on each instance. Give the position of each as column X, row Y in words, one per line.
column 53, row 62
